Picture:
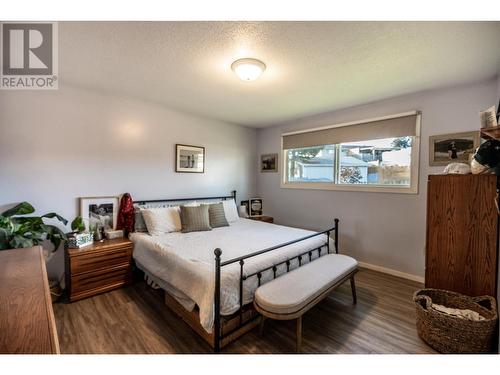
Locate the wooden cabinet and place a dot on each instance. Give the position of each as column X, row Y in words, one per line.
column 27, row 322
column 98, row 268
column 462, row 234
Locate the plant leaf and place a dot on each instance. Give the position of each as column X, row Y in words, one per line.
column 52, row 215
column 23, row 208
column 54, row 235
column 4, row 239
column 20, row 241
column 78, row 224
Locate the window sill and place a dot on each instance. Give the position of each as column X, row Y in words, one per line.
column 358, row 188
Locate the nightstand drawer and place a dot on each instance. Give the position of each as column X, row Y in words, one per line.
column 95, row 261
column 102, row 279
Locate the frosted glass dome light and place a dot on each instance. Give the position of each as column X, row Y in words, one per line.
column 248, row 69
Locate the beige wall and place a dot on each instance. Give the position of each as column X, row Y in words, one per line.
column 58, row 145
column 382, row 229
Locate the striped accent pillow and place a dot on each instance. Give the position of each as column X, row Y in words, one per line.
column 195, row 219
column 217, row 216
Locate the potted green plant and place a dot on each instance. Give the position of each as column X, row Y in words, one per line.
column 18, row 230
column 79, row 237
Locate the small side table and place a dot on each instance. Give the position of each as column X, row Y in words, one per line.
column 267, row 219
column 98, row 268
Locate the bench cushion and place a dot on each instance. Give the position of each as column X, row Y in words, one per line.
column 291, row 292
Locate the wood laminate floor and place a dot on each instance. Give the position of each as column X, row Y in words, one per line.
column 135, row 320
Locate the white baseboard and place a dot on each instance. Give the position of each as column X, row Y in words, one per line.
column 392, row 272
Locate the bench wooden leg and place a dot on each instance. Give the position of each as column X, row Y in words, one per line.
column 299, row 333
column 353, row 290
column 261, row 325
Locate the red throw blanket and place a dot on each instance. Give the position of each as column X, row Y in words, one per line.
column 126, row 217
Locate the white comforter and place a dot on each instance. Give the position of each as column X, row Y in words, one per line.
column 186, row 260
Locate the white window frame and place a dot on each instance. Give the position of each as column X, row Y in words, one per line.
column 376, row 188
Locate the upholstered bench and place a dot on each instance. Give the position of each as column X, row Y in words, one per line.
column 290, row 296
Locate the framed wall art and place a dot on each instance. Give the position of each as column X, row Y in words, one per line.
column 269, row 163
column 189, row 159
column 454, row 147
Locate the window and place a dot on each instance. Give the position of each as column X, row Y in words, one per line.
column 357, row 156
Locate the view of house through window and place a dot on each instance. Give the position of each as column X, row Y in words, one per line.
column 376, row 162
column 313, row 164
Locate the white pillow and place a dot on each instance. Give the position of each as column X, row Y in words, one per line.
column 161, row 220
column 230, row 211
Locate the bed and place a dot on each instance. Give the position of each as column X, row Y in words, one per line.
column 210, row 277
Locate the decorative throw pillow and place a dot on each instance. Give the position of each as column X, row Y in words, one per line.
column 195, row 219
column 230, row 211
column 161, row 220
column 216, row 215
column 139, row 225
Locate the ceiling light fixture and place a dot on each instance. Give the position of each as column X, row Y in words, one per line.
column 248, row 69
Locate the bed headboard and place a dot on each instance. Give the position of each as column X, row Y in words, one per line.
column 173, row 200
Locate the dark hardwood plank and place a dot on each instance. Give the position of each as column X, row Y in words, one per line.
column 135, row 319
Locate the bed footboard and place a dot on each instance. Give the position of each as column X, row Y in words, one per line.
column 217, row 332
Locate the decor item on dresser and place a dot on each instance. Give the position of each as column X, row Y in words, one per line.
column 457, row 168
column 18, row 230
column 487, row 158
column 454, row 147
column 462, row 233
column 79, row 237
column 269, row 163
column 126, row 216
column 455, row 323
column 255, row 206
column 113, row 234
column 27, row 324
column 189, row 159
column 98, row 268
column 488, row 118
column 101, row 212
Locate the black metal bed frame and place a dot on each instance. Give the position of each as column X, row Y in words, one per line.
column 217, row 332
column 225, row 197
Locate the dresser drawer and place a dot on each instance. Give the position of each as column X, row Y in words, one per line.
column 95, row 261
column 102, row 279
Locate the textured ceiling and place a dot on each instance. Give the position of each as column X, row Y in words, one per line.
column 312, row 67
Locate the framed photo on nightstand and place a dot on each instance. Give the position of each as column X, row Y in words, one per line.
column 255, row 207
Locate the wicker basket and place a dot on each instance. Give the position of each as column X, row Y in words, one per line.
column 450, row 334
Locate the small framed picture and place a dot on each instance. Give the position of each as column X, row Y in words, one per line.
column 255, row 207
column 189, row 159
column 100, row 212
column 455, row 147
column 269, row 163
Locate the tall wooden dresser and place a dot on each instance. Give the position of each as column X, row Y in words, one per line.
column 27, row 322
column 462, row 234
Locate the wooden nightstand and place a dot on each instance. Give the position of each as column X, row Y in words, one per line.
column 267, row 219
column 98, row 268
